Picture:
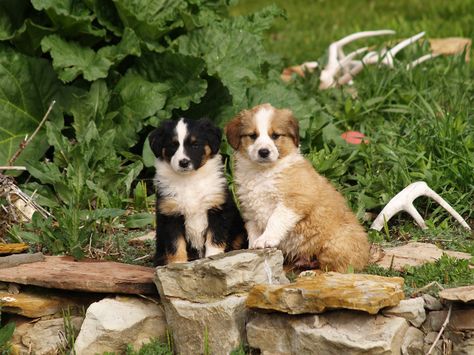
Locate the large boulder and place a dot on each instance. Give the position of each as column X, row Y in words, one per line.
column 338, row 332
column 112, row 323
column 218, row 326
column 213, row 278
column 204, row 300
column 321, row 291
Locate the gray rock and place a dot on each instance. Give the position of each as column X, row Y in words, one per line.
column 428, row 341
column 338, row 332
column 44, row 336
column 432, row 303
column 465, row 347
column 412, row 310
column 214, row 278
column 112, row 323
column 219, row 324
column 461, row 319
column 434, row 321
column 412, row 342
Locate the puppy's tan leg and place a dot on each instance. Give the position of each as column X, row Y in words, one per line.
column 350, row 249
column 181, row 255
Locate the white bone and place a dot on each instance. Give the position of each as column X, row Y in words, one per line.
column 403, row 201
column 328, row 74
column 422, row 59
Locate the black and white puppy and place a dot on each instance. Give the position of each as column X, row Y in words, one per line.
column 195, row 214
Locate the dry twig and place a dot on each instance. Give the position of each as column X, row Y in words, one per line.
column 26, row 141
column 446, row 321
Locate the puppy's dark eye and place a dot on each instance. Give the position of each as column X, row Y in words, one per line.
column 195, row 145
column 253, row 136
column 275, row 136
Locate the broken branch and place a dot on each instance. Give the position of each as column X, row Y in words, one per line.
column 25, row 142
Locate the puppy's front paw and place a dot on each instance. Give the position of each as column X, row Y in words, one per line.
column 265, row 242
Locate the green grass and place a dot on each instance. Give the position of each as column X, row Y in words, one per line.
column 312, row 25
column 447, row 272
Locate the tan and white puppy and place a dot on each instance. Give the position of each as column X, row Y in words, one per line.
column 285, row 203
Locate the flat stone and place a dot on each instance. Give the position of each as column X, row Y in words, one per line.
column 412, row 310
column 315, row 294
column 412, row 343
column 432, row 303
column 415, row 254
column 63, row 272
column 35, row 304
column 18, row 259
column 332, row 333
column 463, row 294
column 43, row 337
column 216, row 277
column 221, row 322
column 112, row 323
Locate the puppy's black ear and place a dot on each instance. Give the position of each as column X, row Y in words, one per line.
column 212, row 133
column 156, row 141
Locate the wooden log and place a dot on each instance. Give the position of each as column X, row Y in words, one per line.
column 14, row 248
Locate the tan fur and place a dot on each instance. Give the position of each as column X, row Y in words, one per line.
column 327, row 229
column 181, row 255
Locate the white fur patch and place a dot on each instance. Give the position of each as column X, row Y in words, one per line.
column 281, row 222
column 181, row 132
column 257, row 189
column 263, row 118
column 194, row 192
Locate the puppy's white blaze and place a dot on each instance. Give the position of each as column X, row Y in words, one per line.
column 263, row 119
column 181, row 132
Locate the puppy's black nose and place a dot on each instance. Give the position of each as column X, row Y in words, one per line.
column 263, row 153
column 184, row 163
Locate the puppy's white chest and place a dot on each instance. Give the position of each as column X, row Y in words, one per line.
column 258, row 195
column 194, row 195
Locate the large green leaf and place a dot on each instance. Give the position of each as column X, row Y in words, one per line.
column 71, row 17
column 12, row 17
column 181, row 73
column 70, row 59
column 135, row 99
column 151, row 19
column 107, row 15
column 27, row 87
column 231, row 53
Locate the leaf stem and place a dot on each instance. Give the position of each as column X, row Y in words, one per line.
column 25, row 142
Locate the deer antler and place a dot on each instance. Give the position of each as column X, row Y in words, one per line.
column 336, row 54
column 403, row 201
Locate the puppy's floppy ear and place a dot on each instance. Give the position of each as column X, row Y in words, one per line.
column 232, row 131
column 156, row 138
column 212, row 133
column 293, row 127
